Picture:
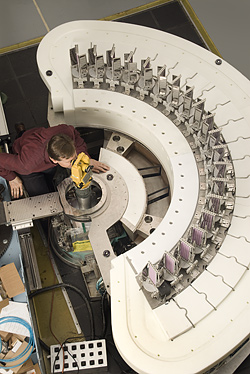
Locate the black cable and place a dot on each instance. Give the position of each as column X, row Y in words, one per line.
column 66, row 285
column 104, row 324
column 74, row 338
column 62, row 346
column 56, row 358
column 54, row 246
column 78, row 369
column 104, row 318
column 120, row 364
column 44, row 345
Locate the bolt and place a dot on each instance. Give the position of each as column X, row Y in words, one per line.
column 5, row 241
column 106, row 253
column 110, row 177
column 120, row 149
column 49, row 73
column 218, row 61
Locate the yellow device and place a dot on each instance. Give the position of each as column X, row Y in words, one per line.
column 81, row 171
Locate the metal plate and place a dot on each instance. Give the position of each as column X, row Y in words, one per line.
column 21, row 213
column 2, row 214
column 90, row 357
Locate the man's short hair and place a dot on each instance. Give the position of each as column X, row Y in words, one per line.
column 61, row 146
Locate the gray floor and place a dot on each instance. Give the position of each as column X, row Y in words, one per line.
column 226, row 21
column 22, row 20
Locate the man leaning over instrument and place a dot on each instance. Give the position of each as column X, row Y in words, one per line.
column 37, row 153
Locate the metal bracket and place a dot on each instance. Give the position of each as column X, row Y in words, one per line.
column 21, row 213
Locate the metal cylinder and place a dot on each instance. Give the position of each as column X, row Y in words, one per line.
column 84, row 198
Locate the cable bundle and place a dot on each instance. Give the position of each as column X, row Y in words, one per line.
column 28, row 348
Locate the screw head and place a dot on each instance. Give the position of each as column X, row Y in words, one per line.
column 106, row 253
column 120, row 149
column 110, row 177
column 218, row 61
column 49, row 73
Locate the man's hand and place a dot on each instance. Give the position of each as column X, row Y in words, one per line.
column 98, row 166
column 16, row 187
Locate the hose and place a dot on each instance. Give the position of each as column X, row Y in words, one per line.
column 77, row 290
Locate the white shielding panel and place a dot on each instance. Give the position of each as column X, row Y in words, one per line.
column 209, row 319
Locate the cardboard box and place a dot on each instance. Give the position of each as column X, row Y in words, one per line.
column 13, row 286
column 12, row 354
column 26, row 367
column 11, row 282
column 32, row 370
column 4, row 335
column 17, row 345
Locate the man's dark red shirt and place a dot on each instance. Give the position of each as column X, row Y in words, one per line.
column 30, row 151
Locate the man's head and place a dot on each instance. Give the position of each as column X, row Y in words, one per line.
column 61, row 150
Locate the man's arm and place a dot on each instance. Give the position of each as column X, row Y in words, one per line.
column 16, row 187
column 7, row 165
column 98, row 166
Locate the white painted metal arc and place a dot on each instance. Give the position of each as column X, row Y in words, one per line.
column 187, row 301
column 143, row 336
column 243, row 201
column 135, row 118
column 242, row 168
column 137, row 197
column 239, row 149
column 148, row 334
column 243, row 187
column 242, row 210
column 195, row 64
column 243, row 250
column 235, row 130
column 227, row 268
column 207, row 283
column 110, row 213
column 122, row 113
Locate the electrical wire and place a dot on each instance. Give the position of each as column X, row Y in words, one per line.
column 50, row 326
column 77, row 290
column 53, row 288
column 62, row 347
column 52, row 299
column 30, row 346
column 99, row 284
column 44, row 345
column 78, row 369
column 103, row 298
column 104, row 325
